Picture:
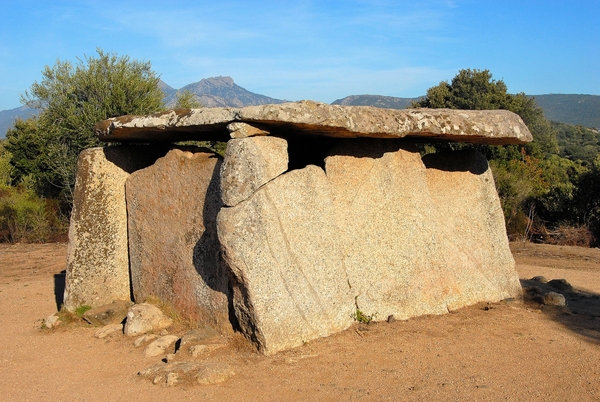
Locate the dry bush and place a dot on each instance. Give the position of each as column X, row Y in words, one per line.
column 179, row 321
column 565, row 235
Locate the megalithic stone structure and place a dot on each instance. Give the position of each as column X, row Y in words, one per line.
column 98, row 250
column 316, row 213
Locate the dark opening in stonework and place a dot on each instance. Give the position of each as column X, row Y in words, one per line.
column 308, row 150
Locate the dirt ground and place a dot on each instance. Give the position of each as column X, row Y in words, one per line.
column 507, row 351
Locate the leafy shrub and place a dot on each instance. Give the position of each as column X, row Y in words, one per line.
column 25, row 217
column 518, row 182
column 362, row 317
column 6, row 169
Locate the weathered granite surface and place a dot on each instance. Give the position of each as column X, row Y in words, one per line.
column 97, row 255
column 471, row 229
column 418, row 238
column 173, row 245
column 313, row 118
column 282, row 248
column 249, row 164
column 387, row 228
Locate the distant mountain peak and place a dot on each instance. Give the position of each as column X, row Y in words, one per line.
column 218, row 81
column 164, row 86
column 221, row 91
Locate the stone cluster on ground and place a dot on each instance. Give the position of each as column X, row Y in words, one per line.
column 316, row 212
column 182, row 358
column 549, row 293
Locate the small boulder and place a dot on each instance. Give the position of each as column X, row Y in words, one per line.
column 143, row 318
column 198, row 335
column 51, row 321
column 554, row 299
column 144, row 339
column 159, row 346
column 214, row 373
column 560, row 284
column 203, row 350
column 112, row 313
column 172, row 379
column 108, row 330
column 539, row 279
column 180, row 373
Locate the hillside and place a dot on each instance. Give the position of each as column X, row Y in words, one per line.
column 577, row 142
column 583, row 110
column 7, row 117
column 388, row 102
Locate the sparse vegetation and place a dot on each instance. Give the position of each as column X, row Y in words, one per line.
column 80, row 311
column 362, row 317
column 186, row 100
column 170, row 311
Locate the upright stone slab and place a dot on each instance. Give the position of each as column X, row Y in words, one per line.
column 249, row 164
column 281, row 245
column 174, row 251
column 97, row 255
column 419, row 240
column 472, row 230
column 387, row 228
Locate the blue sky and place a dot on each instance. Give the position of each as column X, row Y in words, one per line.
column 319, row 50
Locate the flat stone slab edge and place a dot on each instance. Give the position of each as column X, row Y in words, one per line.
column 493, row 127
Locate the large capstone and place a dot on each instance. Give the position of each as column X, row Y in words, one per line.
column 314, row 118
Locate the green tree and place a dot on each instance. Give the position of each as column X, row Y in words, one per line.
column 71, row 99
column 518, row 182
column 186, row 100
column 586, row 204
column 6, row 169
column 477, row 90
column 469, row 90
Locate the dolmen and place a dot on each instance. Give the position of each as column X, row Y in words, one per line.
column 316, row 215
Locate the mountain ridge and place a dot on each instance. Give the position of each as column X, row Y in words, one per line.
column 221, row 91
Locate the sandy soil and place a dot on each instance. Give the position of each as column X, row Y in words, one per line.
column 505, row 351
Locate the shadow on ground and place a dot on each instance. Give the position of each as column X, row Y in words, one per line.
column 59, row 288
column 581, row 313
